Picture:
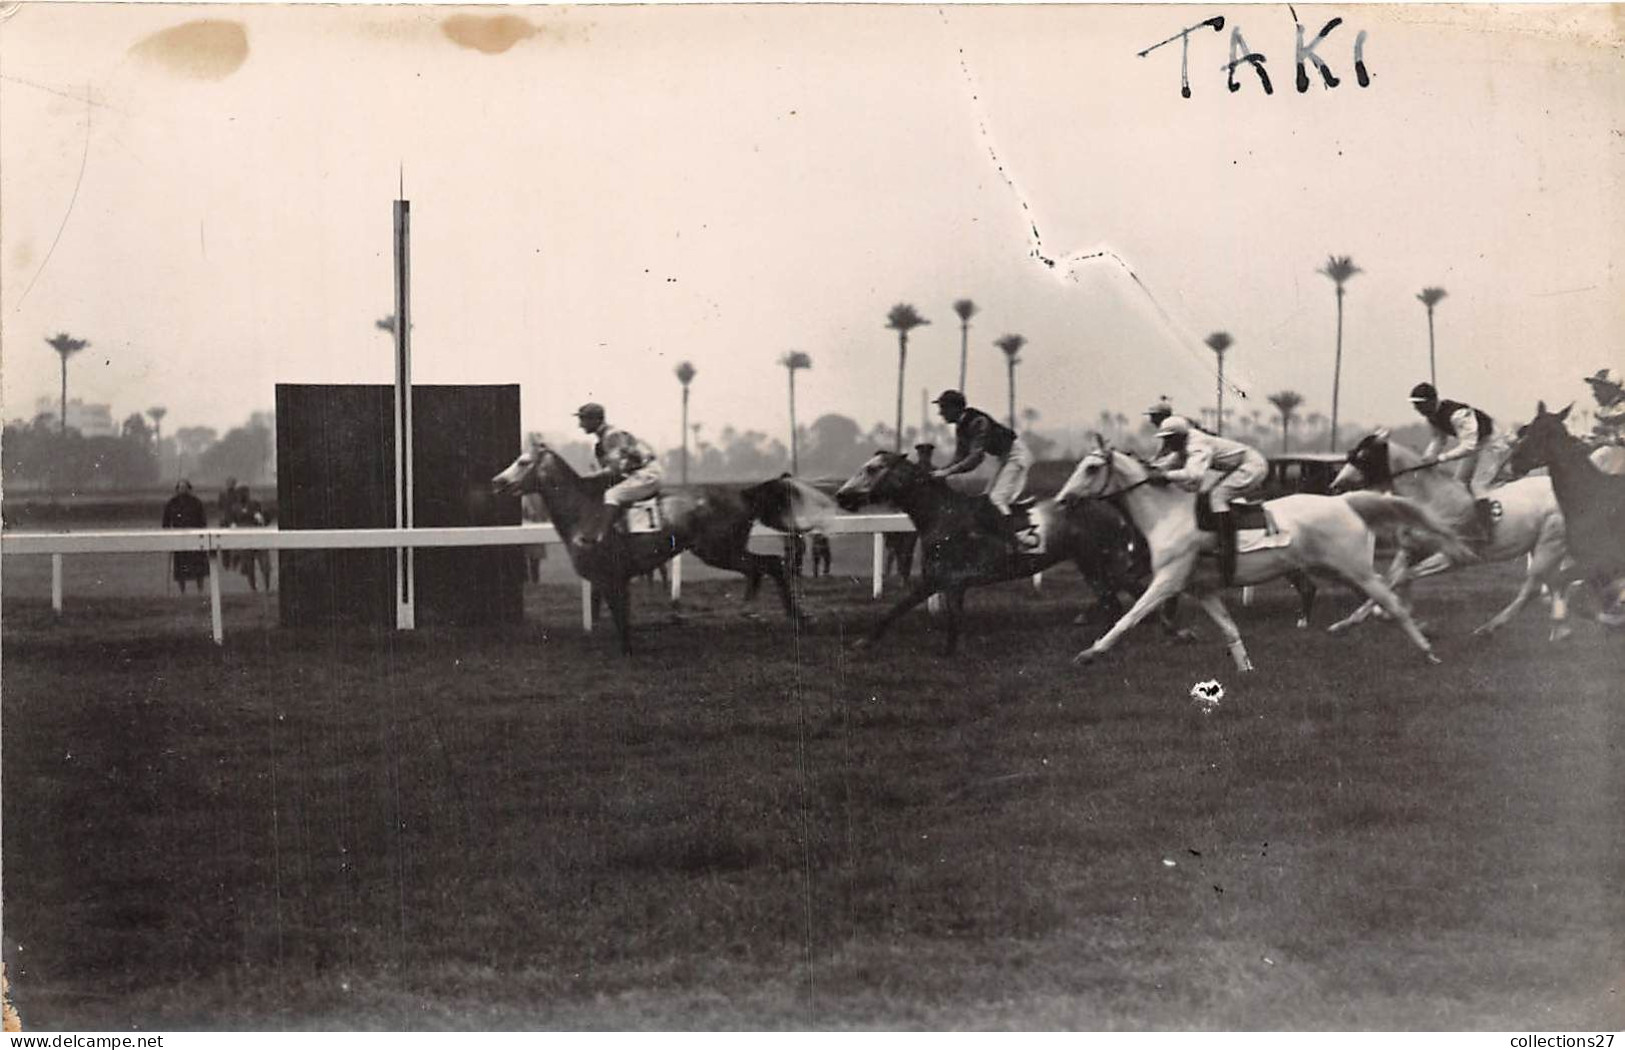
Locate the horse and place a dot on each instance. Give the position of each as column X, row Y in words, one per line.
column 713, row 521
column 1324, row 535
column 1593, row 502
column 1528, row 522
column 963, row 548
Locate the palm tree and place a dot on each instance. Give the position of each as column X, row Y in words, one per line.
column 902, row 319
column 1339, row 268
column 1011, row 345
column 966, row 310
column 66, row 346
column 793, row 361
column 1430, row 298
column 1286, row 402
column 685, row 376
column 1219, row 342
column 157, row 412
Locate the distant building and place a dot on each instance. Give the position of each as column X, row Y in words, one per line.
column 89, row 420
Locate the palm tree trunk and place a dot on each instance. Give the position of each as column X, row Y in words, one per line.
column 1433, row 373
column 794, row 463
column 63, row 419
column 902, row 359
column 1012, row 370
column 1286, row 436
column 685, row 434
column 964, row 352
column 1337, row 368
column 1219, row 423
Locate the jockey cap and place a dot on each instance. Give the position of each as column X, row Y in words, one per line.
column 1174, row 426
column 950, row 397
column 1424, row 392
column 591, row 410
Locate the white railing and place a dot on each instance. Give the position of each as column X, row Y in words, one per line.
column 213, row 541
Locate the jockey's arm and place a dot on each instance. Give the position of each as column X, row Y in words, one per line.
column 1466, row 424
column 1190, row 475
column 970, row 461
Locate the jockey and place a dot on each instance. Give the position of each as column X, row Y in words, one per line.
column 632, row 466
column 1609, row 427
column 1473, row 432
column 1219, row 466
column 977, row 436
column 1160, row 411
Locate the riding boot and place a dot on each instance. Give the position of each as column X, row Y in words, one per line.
column 1484, row 518
column 1226, row 529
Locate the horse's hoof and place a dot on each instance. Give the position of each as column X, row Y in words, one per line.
column 1186, row 635
column 1560, row 633
column 1483, row 629
column 1081, row 620
column 1338, row 628
column 1432, row 659
column 860, row 645
column 1303, row 624
column 1084, row 658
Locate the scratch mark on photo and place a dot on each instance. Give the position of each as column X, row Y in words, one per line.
column 83, row 159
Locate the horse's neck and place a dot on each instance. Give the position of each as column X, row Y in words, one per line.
column 1157, row 511
column 569, row 497
column 925, row 504
column 1575, row 479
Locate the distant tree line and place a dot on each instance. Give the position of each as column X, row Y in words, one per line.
column 45, row 455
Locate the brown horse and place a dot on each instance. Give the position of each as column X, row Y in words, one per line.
column 1592, row 500
column 962, row 547
column 713, row 521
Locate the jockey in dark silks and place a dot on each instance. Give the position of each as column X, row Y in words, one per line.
column 978, row 436
column 1476, row 447
column 632, row 465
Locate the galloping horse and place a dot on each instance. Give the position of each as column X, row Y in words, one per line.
column 962, row 549
column 1529, row 523
column 713, row 521
column 1325, row 535
column 1593, row 502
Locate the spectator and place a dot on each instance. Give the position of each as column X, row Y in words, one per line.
column 185, row 511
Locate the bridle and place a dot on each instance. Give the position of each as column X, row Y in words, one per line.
column 1111, row 471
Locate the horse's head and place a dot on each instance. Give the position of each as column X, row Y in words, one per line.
column 523, row 474
column 882, row 478
column 1540, row 441
column 1367, row 464
column 1096, row 475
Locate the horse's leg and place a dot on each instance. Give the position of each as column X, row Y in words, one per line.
column 916, row 594
column 1213, row 605
column 1164, row 585
column 1544, row 563
column 619, row 596
column 1396, row 578
column 1305, row 586
column 1373, row 585
column 954, row 599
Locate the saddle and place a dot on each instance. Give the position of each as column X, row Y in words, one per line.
column 645, row 516
column 1255, row 530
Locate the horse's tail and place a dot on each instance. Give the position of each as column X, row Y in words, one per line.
column 789, row 505
column 1379, row 510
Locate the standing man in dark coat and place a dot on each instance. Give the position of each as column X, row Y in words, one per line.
column 185, row 511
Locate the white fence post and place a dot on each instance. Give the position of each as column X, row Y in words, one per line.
column 880, row 563
column 215, row 623
column 586, row 606
column 1038, row 581
column 56, row 584
column 677, row 577
column 1247, row 596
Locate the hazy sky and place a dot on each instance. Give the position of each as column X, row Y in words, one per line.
column 599, row 193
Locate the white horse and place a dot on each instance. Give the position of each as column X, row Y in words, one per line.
column 1325, row 535
column 1530, row 523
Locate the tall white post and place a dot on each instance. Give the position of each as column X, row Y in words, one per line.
column 586, row 606
column 677, row 578
column 56, row 584
column 880, row 562
column 405, row 583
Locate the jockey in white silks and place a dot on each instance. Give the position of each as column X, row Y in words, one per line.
column 631, row 464
column 1474, row 445
column 1219, row 466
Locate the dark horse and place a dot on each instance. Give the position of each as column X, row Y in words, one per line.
column 713, row 521
column 962, row 549
column 1593, row 504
